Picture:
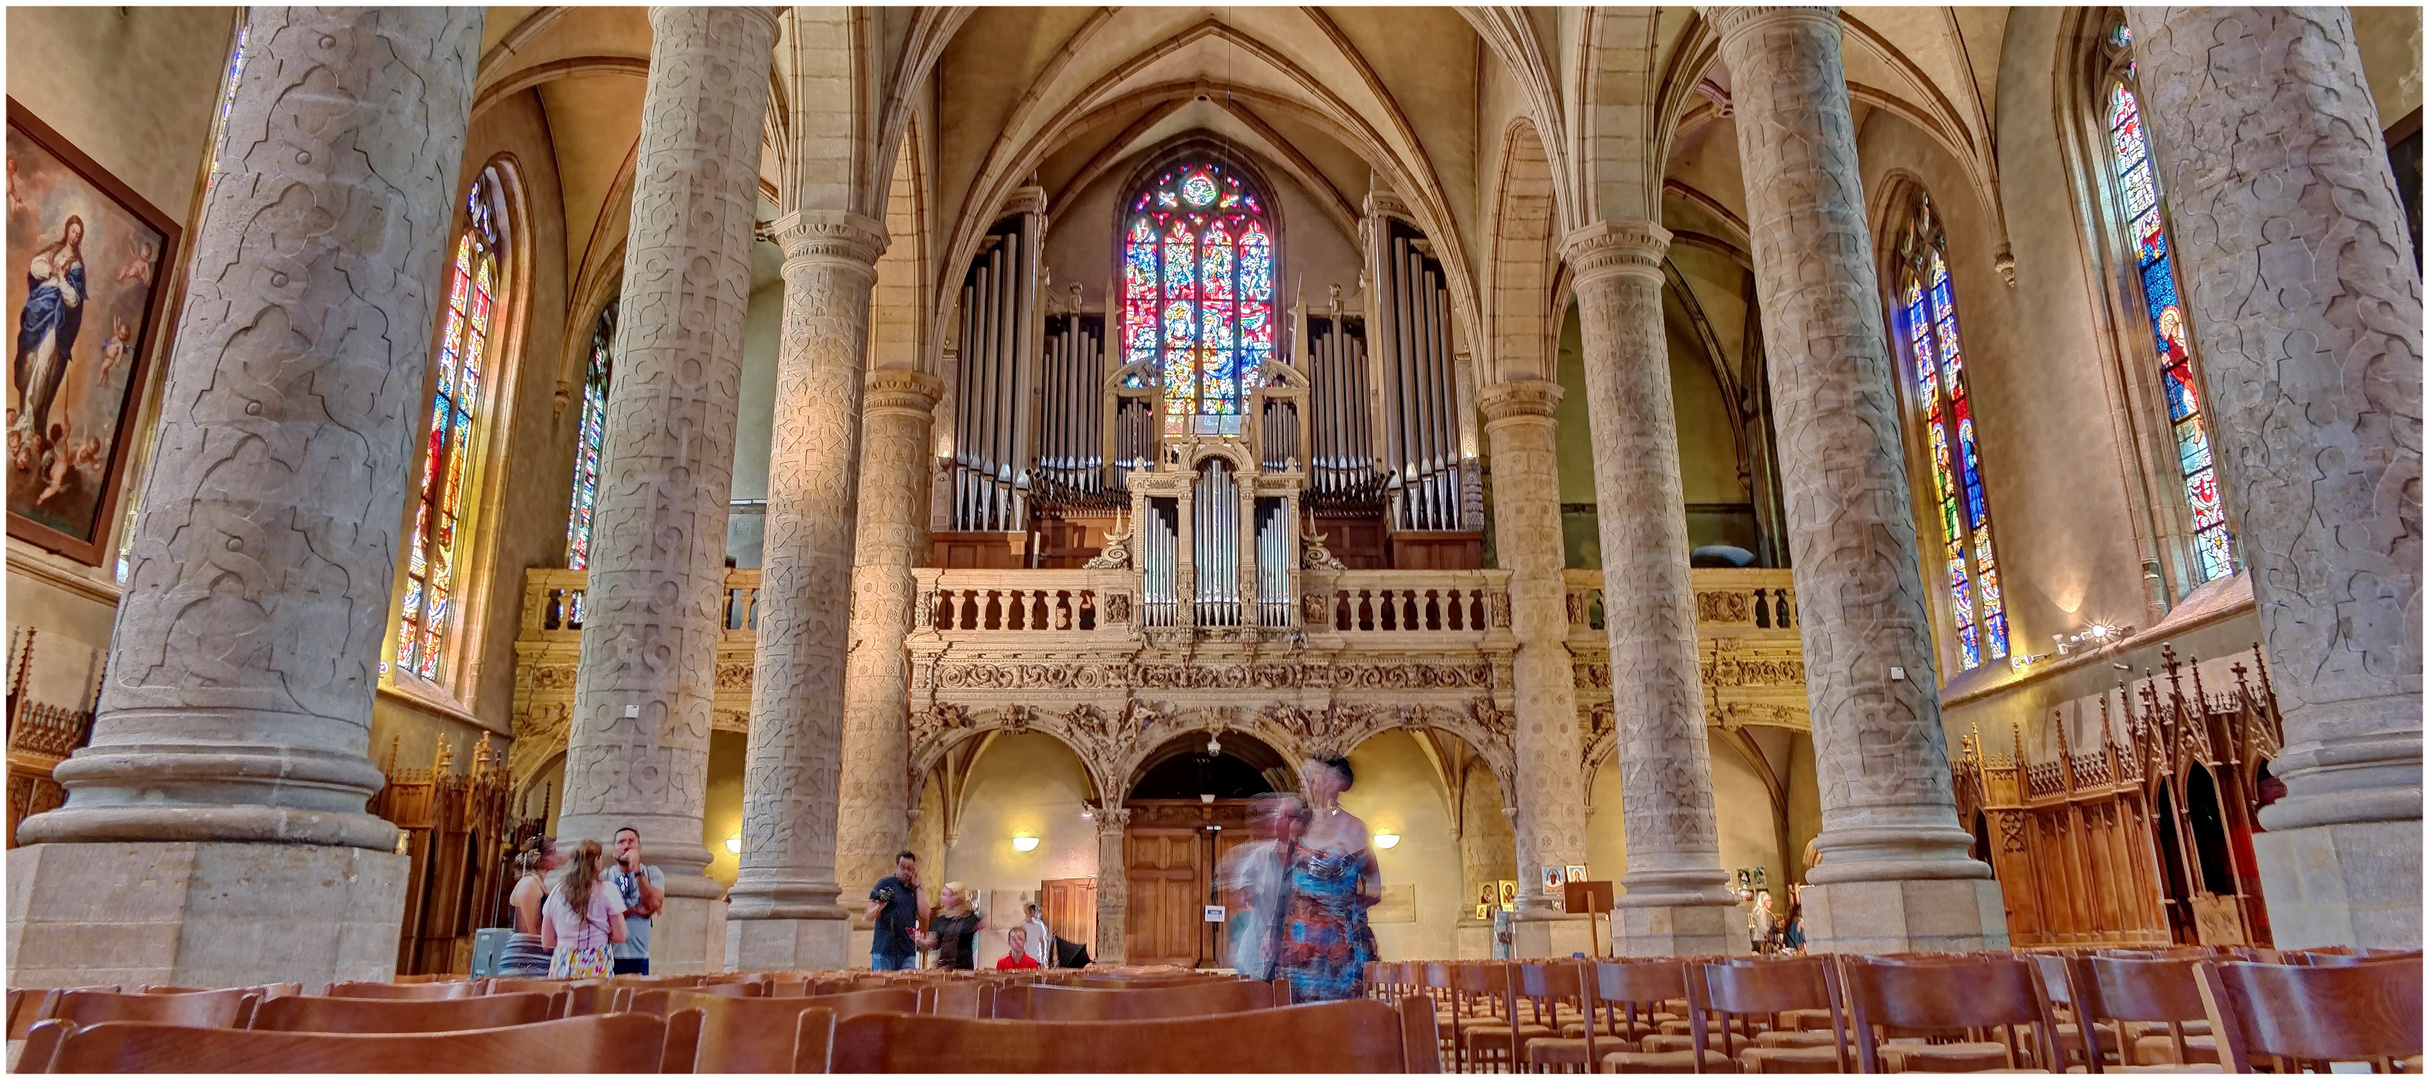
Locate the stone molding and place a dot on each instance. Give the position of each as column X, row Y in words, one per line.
column 809, row 236
column 1634, row 248
column 901, row 390
column 1518, row 399
column 1729, row 22
column 1029, row 199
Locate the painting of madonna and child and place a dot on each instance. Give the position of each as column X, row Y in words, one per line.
column 86, row 256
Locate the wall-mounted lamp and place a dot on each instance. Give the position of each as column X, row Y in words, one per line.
column 1024, row 843
column 734, row 844
column 2095, row 636
column 1387, row 840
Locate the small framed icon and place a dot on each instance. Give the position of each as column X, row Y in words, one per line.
column 1552, row 880
column 1762, row 877
column 1577, row 872
column 1509, row 895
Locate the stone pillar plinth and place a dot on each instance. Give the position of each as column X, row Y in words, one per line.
column 872, row 818
column 1112, row 886
column 2306, row 311
column 1889, row 822
column 784, row 914
column 1549, row 788
column 638, row 751
column 215, row 831
column 1677, row 900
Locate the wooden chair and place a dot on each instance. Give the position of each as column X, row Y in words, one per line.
column 32, row 1004
column 374, row 1016
column 1502, row 1041
column 2059, row 978
column 432, row 991
column 206, row 1009
column 1420, row 1042
column 1969, row 994
column 1651, row 984
column 2349, row 1012
column 505, row 985
column 1155, row 1003
column 1768, row 988
column 2128, row 995
column 589, row 997
column 1557, row 982
column 265, row 991
column 1336, row 1036
column 710, row 1033
column 974, row 997
column 429, row 978
column 653, row 1000
column 590, row 1044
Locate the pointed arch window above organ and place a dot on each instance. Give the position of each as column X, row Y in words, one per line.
column 1197, row 299
column 438, row 543
column 2142, row 209
column 1925, row 324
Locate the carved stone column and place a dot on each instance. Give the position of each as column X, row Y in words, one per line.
column 1550, row 784
column 230, row 755
column 1678, row 900
column 2308, row 312
column 1112, row 885
column 785, row 916
column 1894, row 873
column 872, row 819
column 638, row 751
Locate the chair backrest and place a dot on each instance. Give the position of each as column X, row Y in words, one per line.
column 505, row 985
column 1639, row 982
column 1975, row 991
column 265, row 991
column 594, row 1044
column 591, row 997
column 964, row 998
column 1154, row 1003
column 429, row 978
column 2348, row 1012
column 1420, row 1035
column 654, row 1000
column 1337, row 1036
column 752, row 1034
column 372, row 1015
column 1772, row 986
column 2162, row 990
column 208, row 1009
column 405, row 991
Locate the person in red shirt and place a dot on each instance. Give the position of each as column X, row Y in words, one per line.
column 1019, row 958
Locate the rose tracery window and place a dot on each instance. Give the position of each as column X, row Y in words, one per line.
column 2138, row 184
column 1929, row 316
column 1197, row 293
column 433, row 568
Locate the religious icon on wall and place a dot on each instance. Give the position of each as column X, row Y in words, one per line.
column 1509, row 895
column 86, row 259
column 1553, row 877
column 1576, row 872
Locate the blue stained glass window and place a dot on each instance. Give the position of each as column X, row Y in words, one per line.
column 592, row 439
column 1976, row 604
column 2138, row 184
column 1197, row 293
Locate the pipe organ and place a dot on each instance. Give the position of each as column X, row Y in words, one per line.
column 1343, row 462
column 1071, row 437
column 1412, row 321
column 996, row 388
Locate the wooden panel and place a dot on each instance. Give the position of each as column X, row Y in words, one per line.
column 1167, row 879
column 1069, row 906
column 980, row 550
column 1066, row 541
column 1437, row 550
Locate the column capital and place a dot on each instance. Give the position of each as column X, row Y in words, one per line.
column 823, row 235
column 1518, row 398
column 771, row 14
column 1029, row 199
column 1728, row 22
column 1111, row 820
column 1616, row 247
column 902, row 388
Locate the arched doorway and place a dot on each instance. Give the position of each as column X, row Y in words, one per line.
column 1189, row 806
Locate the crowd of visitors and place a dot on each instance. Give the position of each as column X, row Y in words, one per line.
column 581, row 916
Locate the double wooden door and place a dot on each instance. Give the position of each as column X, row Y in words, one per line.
column 1171, row 850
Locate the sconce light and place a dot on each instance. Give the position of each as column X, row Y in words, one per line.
column 1024, row 843
column 2095, row 636
column 1387, row 840
column 1207, row 798
column 734, row 844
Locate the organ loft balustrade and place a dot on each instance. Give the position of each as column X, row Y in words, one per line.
column 1086, row 655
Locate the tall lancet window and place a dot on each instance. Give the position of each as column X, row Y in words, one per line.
column 1928, row 320
column 1197, row 293
column 2138, row 187
column 593, row 437
column 428, row 614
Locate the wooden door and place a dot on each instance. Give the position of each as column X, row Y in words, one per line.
column 1069, row 905
column 1168, row 877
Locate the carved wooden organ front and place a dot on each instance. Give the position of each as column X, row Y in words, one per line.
column 1193, row 428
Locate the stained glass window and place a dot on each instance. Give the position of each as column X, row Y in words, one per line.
column 1197, row 293
column 438, row 537
column 593, row 437
column 227, row 101
column 1930, row 323
column 2138, row 184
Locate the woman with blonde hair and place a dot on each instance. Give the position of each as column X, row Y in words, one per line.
column 582, row 918
column 954, row 929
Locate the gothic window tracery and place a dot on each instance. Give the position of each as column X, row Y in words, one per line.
column 1927, row 320
column 2143, row 205
column 1197, row 293
column 434, row 567
column 592, row 439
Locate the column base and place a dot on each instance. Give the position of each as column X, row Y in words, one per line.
column 2356, row 884
column 1679, row 930
column 1472, row 941
column 687, row 937
column 1936, row 915
column 202, row 914
column 787, row 944
column 1551, row 936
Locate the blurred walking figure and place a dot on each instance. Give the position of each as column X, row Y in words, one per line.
column 1333, row 880
column 1257, row 875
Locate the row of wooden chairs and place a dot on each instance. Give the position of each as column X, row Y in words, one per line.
column 1347, row 1036
column 1921, row 1012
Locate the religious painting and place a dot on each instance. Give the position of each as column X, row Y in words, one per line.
column 1553, row 879
column 1509, row 895
column 1576, row 872
column 86, row 259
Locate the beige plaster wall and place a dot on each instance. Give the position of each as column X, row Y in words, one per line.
column 1400, row 791
column 2391, row 57
column 755, row 426
column 1021, row 785
column 1741, row 808
column 721, row 810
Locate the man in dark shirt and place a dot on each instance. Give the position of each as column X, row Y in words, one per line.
column 896, row 908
